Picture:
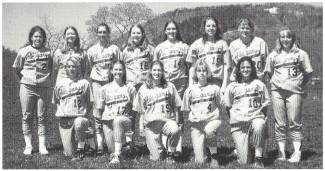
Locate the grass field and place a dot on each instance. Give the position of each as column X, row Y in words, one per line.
column 13, row 144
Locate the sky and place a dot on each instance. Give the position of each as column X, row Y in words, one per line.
column 18, row 18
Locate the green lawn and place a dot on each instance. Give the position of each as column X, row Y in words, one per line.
column 13, row 144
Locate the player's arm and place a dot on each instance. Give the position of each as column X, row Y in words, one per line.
column 266, row 100
column 18, row 65
column 307, row 69
column 227, row 69
column 227, row 99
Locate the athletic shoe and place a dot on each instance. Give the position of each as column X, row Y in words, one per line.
column 89, row 151
column 100, row 152
column 79, row 155
column 258, row 163
column 129, row 150
column 115, row 159
column 214, row 162
column 281, row 157
column 295, row 157
column 28, row 150
column 43, row 151
column 162, row 154
column 170, row 157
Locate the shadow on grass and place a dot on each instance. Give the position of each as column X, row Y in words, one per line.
column 274, row 153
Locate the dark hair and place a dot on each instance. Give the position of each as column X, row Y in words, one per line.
column 143, row 44
column 202, row 63
column 279, row 46
column 218, row 34
column 106, row 27
column 239, row 77
column 149, row 80
column 248, row 21
column 124, row 70
column 31, row 33
column 76, row 44
column 178, row 34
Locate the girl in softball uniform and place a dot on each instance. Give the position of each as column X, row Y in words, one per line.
column 202, row 101
column 248, row 45
column 115, row 111
column 73, row 97
column 137, row 56
column 33, row 65
column 290, row 69
column 101, row 57
column 158, row 103
column 71, row 48
column 213, row 50
column 172, row 53
column 246, row 102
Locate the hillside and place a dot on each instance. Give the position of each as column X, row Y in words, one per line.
column 305, row 20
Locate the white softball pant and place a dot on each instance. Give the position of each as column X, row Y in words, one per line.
column 287, row 108
column 241, row 133
column 153, row 133
column 204, row 134
column 33, row 100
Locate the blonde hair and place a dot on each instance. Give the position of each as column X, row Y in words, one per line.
column 76, row 62
column 202, row 64
column 278, row 46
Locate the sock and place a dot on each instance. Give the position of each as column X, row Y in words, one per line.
column 179, row 145
column 259, row 152
column 281, row 145
column 28, row 140
column 297, row 146
column 81, row 144
column 213, row 150
column 42, row 141
column 99, row 141
column 118, row 147
column 128, row 136
column 164, row 141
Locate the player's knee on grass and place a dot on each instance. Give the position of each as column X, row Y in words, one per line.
column 66, row 123
column 81, row 126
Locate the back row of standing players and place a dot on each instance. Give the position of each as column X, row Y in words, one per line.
column 133, row 81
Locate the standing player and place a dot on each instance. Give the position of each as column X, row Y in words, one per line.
column 73, row 98
column 172, row 53
column 33, row 65
column 246, row 102
column 290, row 69
column 71, row 48
column 137, row 56
column 213, row 50
column 248, row 45
column 101, row 57
column 202, row 100
column 158, row 103
column 115, row 110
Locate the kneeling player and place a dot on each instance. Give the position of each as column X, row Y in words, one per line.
column 72, row 97
column 202, row 100
column 114, row 109
column 246, row 102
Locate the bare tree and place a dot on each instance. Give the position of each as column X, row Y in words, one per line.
column 120, row 17
column 54, row 38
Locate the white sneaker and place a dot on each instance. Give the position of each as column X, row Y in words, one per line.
column 115, row 159
column 43, row 151
column 28, row 150
column 281, row 157
column 295, row 157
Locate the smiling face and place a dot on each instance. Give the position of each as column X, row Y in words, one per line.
column 118, row 71
column 245, row 70
column 37, row 39
column 286, row 39
column 210, row 28
column 156, row 72
column 136, row 35
column 202, row 73
column 102, row 34
column 245, row 30
column 171, row 31
column 70, row 36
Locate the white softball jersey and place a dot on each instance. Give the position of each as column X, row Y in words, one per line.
column 246, row 100
column 158, row 103
column 216, row 55
column 288, row 69
column 203, row 103
column 257, row 50
column 137, row 63
column 73, row 98
column 116, row 100
column 35, row 65
column 101, row 61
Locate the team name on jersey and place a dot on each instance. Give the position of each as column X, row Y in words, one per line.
column 104, row 58
column 172, row 54
column 71, row 91
column 209, row 97
column 290, row 61
column 37, row 56
column 121, row 98
column 157, row 98
column 249, row 92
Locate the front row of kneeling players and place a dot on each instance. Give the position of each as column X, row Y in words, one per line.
column 159, row 105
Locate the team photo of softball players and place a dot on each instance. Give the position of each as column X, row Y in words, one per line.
column 205, row 86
